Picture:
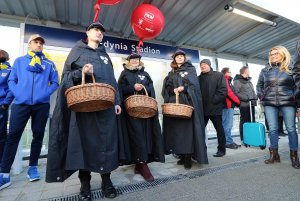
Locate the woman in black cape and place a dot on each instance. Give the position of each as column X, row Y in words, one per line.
column 184, row 137
column 144, row 135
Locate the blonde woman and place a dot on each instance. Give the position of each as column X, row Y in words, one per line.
column 276, row 90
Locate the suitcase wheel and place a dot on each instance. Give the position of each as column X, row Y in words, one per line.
column 262, row 147
column 246, row 145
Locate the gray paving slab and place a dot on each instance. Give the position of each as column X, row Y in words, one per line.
column 246, row 181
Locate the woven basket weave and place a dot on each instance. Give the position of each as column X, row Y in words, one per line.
column 90, row 97
column 177, row 110
column 141, row 106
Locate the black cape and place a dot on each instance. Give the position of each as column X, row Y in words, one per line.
column 185, row 136
column 144, row 135
column 87, row 141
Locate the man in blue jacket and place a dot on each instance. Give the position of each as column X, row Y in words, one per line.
column 32, row 80
column 6, row 98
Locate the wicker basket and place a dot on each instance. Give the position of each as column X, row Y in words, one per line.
column 90, row 97
column 177, row 110
column 141, row 106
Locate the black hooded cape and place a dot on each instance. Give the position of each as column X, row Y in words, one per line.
column 144, row 135
column 84, row 141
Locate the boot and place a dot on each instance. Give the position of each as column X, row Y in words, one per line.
column 181, row 160
column 137, row 168
column 274, row 156
column 107, row 187
column 187, row 162
column 85, row 189
column 145, row 172
column 295, row 159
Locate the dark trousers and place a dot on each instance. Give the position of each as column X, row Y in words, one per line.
column 85, row 178
column 3, row 129
column 19, row 116
column 217, row 122
column 245, row 117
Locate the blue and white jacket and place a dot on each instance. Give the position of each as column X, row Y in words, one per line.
column 6, row 95
column 32, row 88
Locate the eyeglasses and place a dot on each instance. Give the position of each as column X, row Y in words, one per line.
column 274, row 54
column 228, row 72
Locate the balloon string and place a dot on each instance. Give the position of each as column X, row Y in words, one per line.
column 139, row 46
column 97, row 11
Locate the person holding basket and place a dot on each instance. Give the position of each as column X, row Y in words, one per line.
column 85, row 141
column 144, row 132
column 184, row 136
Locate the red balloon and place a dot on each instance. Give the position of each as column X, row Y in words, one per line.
column 147, row 21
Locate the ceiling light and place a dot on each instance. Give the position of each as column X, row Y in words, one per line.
column 249, row 15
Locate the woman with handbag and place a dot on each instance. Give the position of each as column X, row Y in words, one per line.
column 276, row 90
column 144, row 134
column 184, row 137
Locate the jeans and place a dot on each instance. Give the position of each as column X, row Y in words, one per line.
column 227, row 121
column 19, row 116
column 3, row 129
column 289, row 115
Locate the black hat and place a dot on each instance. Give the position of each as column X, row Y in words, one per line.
column 206, row 61
column 178, row 52
column 96, row 25
column 133, row 56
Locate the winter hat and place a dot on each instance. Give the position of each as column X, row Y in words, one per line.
column 178, row 52
column 4, row 56
column 133, row 56
column 96, row 25
column 206, row 61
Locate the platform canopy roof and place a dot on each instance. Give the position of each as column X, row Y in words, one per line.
column 196, row 24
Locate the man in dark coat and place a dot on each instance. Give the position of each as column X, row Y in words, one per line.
column 214, row 92
column 184, row 137
column 296, row 69
column 85, row 141
column 245, row 91
column 144, row 134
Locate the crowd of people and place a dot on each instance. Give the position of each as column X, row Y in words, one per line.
column 101, row 141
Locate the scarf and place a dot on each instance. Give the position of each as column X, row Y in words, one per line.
column 35, row 64
column 4, row 65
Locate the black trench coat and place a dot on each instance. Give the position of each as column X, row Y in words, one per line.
column 84, row 141
column 185, row 136
column 144, row 135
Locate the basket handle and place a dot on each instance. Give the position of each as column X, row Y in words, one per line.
column 177, row 97
column 145, row 90
column 83, row 78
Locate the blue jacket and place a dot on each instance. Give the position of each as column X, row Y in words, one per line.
column 6, row 95
column 32, row 88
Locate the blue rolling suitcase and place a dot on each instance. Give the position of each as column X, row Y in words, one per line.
column 254, row 133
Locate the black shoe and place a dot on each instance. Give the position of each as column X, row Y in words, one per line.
column 181, row 161
column 219, row 154
column 108, row 190
column 85, row 196
column 238, row 145
column 85, row 189
column 187, row 162
column 231, row 146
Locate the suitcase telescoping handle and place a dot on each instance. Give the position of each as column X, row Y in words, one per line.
column 251, row 117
